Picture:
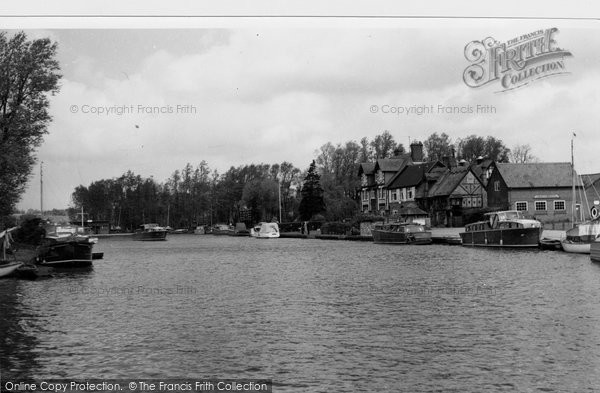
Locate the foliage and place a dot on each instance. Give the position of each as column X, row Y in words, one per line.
column 521, row 154
column 438, row 146
column 190, row 197
column 29, row 74
column 312, row 201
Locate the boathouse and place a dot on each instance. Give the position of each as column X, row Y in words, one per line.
column 540, row 190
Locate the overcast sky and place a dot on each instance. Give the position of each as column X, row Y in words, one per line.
column 277, row 94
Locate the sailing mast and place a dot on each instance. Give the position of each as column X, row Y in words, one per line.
column 279, row 192
column 573, row 195
column 42, row 189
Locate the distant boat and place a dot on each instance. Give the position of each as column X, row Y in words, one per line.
column 150, row 232
column 503, row 229
column 265, row 230
column 222, row 229
column 240, row 230
column 401, row 233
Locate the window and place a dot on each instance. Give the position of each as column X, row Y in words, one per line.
column 497, row 185
column 521, row 206
column 394, row 195
column 409, row 194
column 540, row 206
column 559, row 205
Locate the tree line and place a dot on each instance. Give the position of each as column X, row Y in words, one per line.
column 192, row 196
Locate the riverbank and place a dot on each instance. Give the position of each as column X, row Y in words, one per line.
column 438, row 236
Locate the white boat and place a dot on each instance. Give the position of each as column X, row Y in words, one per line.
column 7, row 268
column 580, row 238
column 265, row 230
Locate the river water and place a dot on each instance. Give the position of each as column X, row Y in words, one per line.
column 312, row 315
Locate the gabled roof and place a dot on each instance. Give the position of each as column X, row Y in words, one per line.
column 412, row 175
column 368, row 168
column 536, row 175
column 392, row 164
column 449, row 181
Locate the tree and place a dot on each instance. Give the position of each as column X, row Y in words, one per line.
column 28, row 74
column 495, row 149
column 384, row 146
column 521, row 154
column 312, row 194
column 438, row 146
column 472, row 147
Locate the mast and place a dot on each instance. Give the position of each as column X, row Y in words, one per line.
column 42, row 189
column 573, row 195
column 279, row 192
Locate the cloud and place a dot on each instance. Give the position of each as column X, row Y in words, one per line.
column 269, row 95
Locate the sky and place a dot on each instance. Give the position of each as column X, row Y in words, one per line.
column 266, row 94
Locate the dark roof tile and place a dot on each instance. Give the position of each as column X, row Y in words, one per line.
column 536, row 175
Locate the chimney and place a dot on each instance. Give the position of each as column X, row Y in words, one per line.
column 453, row 158
column 416, row 151
column 479, row 160
column 450, row 161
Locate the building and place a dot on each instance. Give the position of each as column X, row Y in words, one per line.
column 457, row 197
column 412, row 184
column 540, row 190
column 376, row 177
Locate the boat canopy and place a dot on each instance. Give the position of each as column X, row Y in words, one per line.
column 507, row 215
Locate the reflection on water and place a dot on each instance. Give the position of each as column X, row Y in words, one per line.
column 313, row 316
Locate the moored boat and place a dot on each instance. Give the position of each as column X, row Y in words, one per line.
column 595, row 251
column 222, row 229
column 503, row 229
column 580, row 238
column 401, row 233
column 265, row 230
column 7, row 268
column 150, row 232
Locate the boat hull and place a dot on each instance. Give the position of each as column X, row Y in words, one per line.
column 6, row 269
column 70, row 254
column 595, row 252
column 150, row 236
column 393, row 237
column 576, row 247
column 510, row 238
